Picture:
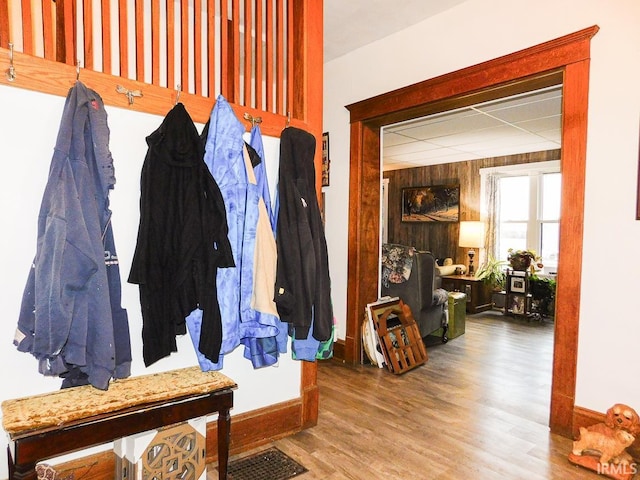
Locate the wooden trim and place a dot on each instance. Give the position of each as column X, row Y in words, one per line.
column 197, row 46
column 234, row 41
column 564, row 59
column 309, row 32
column 269, row 54
column 363, row 251
column 292, row 45
column 87, row 21
column 338, row 350
column 171, row 46
column 65, row 36
column 279, row 58
column 106, row 36
column 259, row 62
column 40, row 75
column 123, row 38
column 139, row 22
column 155, row 43
column 574, row 152
column 226, row 77
column 47, row 31
column 258, row 427
column 5, row 35
column 248, row 23
column 536, row 60
column 184, row 45
column 27, row 28
column 211, row 47
column 583, row 417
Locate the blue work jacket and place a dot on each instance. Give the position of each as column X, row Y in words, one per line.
column 71, row 319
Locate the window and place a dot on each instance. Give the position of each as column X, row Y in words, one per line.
column 526, row 209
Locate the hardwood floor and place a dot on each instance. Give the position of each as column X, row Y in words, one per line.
column 477, row 409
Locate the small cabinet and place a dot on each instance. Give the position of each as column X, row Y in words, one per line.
column 478, row 293
column 517, row 293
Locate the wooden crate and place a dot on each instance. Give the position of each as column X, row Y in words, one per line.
column 398, row 335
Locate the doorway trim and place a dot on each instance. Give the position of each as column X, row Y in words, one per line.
column 565, row 61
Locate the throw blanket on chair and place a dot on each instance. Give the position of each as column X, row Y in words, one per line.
column 397, row 261
column 440, row 296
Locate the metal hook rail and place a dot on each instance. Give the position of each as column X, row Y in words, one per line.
column 129, row 93
column 11, row 71
column 254, row 120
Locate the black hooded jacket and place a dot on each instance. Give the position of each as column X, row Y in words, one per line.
column 182, row 240
column 303, row 286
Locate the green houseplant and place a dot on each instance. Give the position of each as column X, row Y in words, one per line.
column 523, row 259
column 492, row 273
column 543, row 292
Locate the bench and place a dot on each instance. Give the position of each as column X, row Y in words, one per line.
column 48, row 425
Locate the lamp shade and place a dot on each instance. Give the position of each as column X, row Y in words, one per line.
column 471, row 234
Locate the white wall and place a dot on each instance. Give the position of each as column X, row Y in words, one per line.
column 480, row 30
column 28, row 128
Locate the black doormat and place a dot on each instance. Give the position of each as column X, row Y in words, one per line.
column 269, row 464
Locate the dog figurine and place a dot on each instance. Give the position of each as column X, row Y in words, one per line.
column 621, row 417
column 610, row 444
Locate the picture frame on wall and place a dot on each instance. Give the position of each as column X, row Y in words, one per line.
column 430, row 204
column 325, row 159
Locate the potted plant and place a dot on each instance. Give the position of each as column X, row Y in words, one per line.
column 543, row 293
column 524, row 259
column 492, row 273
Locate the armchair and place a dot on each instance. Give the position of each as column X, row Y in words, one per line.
column 412, row 276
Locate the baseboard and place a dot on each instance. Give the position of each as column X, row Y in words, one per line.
column 248, row 430
column 583, row 417
column 338, row 350
column 257, row 427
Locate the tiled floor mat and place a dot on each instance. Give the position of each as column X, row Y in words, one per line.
column 269, row 464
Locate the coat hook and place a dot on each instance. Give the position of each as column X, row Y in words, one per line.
column 179, row 90
column 11, row 71
column 288, row 119
column 250, row 118
column 77, row 70
column 129, row 93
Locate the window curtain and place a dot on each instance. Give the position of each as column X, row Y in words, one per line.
column 493, row 215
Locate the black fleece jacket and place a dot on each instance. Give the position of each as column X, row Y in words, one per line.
column 303, row 286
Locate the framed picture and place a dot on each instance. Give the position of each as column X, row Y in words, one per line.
column 325, row 159
column 435, row 203
column 517, row 304
column 518, row 285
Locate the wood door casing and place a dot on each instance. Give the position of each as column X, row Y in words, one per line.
column 561, row 61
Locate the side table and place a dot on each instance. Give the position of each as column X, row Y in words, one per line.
column 477, row 292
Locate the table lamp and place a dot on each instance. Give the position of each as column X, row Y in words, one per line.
column 471, row 237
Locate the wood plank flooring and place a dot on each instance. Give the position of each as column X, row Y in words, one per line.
column 478, row 409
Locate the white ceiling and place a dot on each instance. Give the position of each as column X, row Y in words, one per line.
column 351, row 24
column 530, row 122
column 521, row 124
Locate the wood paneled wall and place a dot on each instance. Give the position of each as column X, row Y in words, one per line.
column 442, row 238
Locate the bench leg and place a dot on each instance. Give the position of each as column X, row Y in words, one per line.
column 224, row 430
column 20, row 472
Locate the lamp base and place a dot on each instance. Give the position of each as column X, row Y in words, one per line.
column 471, row 254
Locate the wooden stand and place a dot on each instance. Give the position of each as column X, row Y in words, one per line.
column 400, row 340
